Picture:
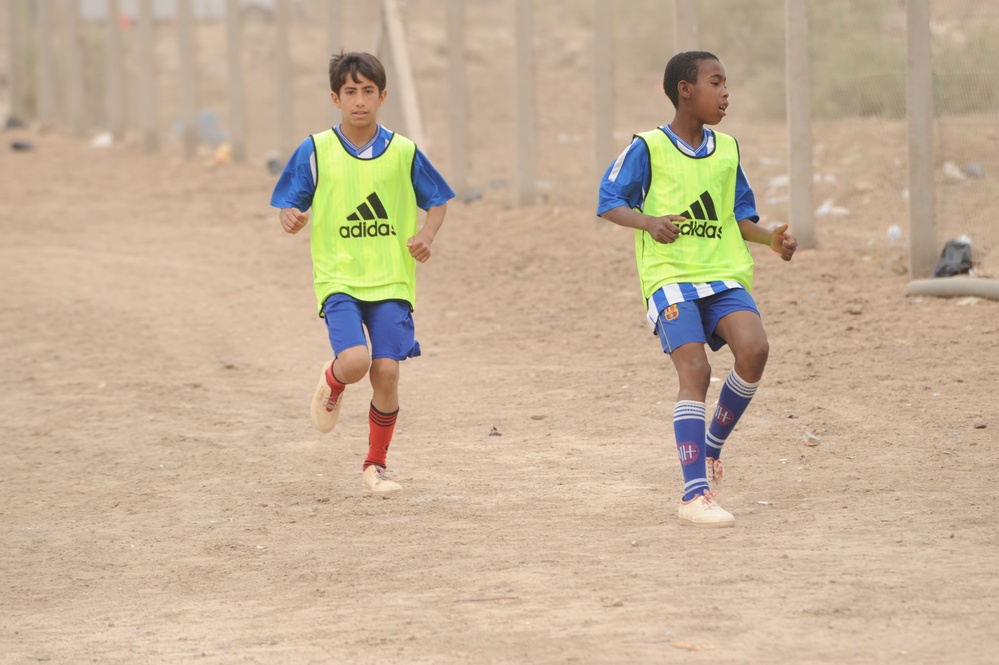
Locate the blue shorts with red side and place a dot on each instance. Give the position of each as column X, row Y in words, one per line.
column 389, row 324
column 696, row 320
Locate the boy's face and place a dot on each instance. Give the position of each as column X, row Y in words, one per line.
column 359, row 101
column 707, row 99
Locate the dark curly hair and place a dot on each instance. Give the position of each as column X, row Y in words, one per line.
column 683, row 67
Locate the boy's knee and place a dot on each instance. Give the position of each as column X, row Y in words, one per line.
column 695, row 375
column 384, row 373
column 751, row 361
column 353, row 364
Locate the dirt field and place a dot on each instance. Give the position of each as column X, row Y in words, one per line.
column 165, row 499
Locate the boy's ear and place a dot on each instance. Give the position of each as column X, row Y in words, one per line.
column 336, row 99
column 684, row 89
column 381, row 96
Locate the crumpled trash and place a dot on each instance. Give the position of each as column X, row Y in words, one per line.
column 955, row 259
column 210, row 130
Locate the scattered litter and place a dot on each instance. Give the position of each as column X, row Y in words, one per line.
column 221, row 157
column 763, row 503
column 894, row 233
column 102, row 140
column 779, row 181
column 955, row 258
column 274, row 165
column 827, row 208
column 973, row 171
column 210, row 131
column 495, row 432
column 22, row 146
column 952, row 171
column 783, row 460
column 686, row 646
column 811, row 439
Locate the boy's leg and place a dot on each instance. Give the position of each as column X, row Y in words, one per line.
column 343, row 317
column 384, row 409
column 390, row 327
column 681, row 331
column 743, row 331
column 694, row 374
column 381, row 425
column 348, row 367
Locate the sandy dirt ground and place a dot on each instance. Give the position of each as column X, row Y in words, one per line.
column 165, row 499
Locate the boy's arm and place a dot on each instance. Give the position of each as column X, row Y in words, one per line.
column 295, row 188
column 662, row 229
column 419, row 245
column 778, row 238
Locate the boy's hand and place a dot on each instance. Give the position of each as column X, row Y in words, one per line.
column 293, row 220
column 419, row 247
column 662, row 229
column 783, row 242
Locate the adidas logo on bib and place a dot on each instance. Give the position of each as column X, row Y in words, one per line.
column 698, row 214
column 369, row 216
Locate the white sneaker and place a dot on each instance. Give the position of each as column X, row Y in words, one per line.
column 374, row 481
column 702, row 511
column 325, row 412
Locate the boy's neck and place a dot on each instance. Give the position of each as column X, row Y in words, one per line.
column 359, row 137
column 688, row 129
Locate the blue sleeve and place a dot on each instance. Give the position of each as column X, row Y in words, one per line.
column 430, row 187
column 627, row 180
column 745, row 200
column 297, row 185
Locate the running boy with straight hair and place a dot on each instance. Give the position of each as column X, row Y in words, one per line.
column 363, row 184
column 682, row 188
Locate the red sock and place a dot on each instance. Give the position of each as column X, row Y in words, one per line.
column 380, row 429
column 336, row 387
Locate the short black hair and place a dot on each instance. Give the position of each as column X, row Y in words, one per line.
column 683, row 67
column 354, row 63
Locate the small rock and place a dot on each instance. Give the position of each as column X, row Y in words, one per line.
column 811, row 439
column 22, row 146
column 980, row 423
column 495, row 432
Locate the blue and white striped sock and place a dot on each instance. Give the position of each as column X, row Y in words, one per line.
column 735, row 396
column 688, row 426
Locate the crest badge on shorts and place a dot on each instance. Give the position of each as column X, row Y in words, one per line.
column 671, row 313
